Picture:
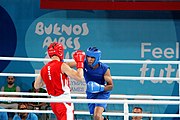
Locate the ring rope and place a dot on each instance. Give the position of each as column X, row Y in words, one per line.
column 84, row 95
column 87, row 113
column 113, row 77
column 105, row 61
column 159, row 102
column 126, row 113
column 25, row 59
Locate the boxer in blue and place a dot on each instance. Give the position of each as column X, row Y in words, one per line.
column 99, row 81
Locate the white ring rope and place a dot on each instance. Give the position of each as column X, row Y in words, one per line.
column 25, row 59
column 84, row 95
column 155, row 102
column 126, row 113
column 91, row 101
column 87, row 113
column 113, row 77
column 105, row 61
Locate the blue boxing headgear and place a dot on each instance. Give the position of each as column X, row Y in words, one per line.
column 94, row 52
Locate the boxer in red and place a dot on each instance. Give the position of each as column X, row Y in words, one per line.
column 54, row 75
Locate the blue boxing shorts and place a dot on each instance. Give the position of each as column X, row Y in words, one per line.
column 101, row 95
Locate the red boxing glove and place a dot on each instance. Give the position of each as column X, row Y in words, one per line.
column 79, row 57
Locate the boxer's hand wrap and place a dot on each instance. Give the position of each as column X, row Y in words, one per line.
column 79, row 57
column 94, row 87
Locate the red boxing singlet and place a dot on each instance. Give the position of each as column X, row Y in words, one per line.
column 57, row 83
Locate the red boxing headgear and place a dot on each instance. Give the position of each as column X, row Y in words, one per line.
column 56, row 49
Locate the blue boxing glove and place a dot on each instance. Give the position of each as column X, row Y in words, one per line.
column 94, row 87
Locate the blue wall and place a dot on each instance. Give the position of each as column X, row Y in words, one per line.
column 27, row 30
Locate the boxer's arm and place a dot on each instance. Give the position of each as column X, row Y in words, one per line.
column 79, row 57
column 71, row 64
column 74, row 74
column 94, row 87
column 38, row 82
column 109, row 81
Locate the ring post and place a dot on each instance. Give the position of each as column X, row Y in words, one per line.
column 126, row 111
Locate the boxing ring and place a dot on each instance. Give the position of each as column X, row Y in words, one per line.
column 124, row 100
